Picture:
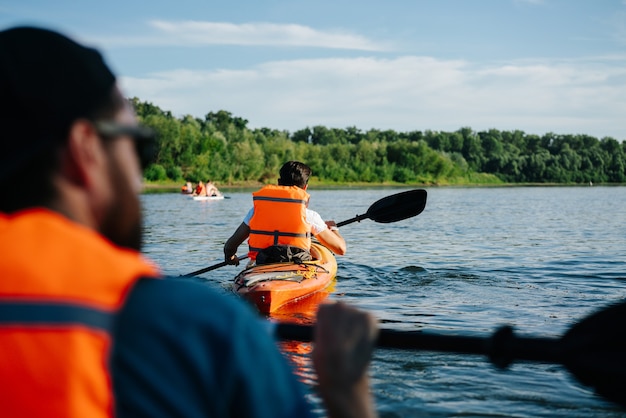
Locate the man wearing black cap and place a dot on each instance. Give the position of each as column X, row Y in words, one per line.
column 88, row 328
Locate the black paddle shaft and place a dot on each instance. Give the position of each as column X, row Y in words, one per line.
column 501, row 348
column 213, row 267
column 393, row 208
column 593, row 350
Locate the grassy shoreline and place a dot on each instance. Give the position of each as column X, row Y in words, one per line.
column 171, row 186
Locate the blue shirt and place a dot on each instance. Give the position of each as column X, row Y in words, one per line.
column 182, row 349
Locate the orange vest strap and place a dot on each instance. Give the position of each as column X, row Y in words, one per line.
column 280, row 199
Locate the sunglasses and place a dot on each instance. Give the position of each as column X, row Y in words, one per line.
column 143, row 137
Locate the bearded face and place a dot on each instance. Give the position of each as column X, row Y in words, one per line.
column 122, row 220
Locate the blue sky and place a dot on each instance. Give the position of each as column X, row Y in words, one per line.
column 534, row 65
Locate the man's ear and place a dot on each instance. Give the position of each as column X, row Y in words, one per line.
column 84, row 154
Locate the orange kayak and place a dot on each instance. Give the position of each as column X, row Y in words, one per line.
column 271, row 287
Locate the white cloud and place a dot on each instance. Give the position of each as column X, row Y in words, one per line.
column 404, row 94
column 220, row 33
column 199, row 33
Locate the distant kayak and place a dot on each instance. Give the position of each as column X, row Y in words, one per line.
column 215, row 197
column 275, row 286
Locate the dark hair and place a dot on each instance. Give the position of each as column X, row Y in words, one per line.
column 31, row 184
column 47, row 82
column 294, row 173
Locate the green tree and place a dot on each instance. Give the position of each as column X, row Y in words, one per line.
column 221, row 147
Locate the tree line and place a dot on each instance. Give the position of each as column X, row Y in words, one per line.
column 222, row 148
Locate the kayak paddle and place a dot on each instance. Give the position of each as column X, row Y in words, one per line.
column 393, row 208
column 389, row 209
column 213, row 267
column 593, row 350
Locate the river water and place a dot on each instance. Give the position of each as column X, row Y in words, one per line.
column 537, row 258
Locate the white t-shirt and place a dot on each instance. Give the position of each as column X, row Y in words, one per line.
column 312, row 217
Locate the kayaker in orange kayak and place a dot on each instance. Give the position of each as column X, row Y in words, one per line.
column 280, row 225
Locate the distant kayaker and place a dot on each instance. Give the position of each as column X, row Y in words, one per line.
column 211, row 189
column 200, row 189
column 187, row 188
column 90, row 328
column 279, row 226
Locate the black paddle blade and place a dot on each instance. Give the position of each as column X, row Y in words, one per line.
column 398, row 206
column 595, row 349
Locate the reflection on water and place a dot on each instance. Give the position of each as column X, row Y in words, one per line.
column 298, row 355
column 296, row 352
column 301, row 312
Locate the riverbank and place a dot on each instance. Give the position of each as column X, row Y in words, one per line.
column 479, row 179
column 167, row 187
column 162, row 187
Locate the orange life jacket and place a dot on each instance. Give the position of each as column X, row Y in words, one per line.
column 279, row 219
column 61, row 285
